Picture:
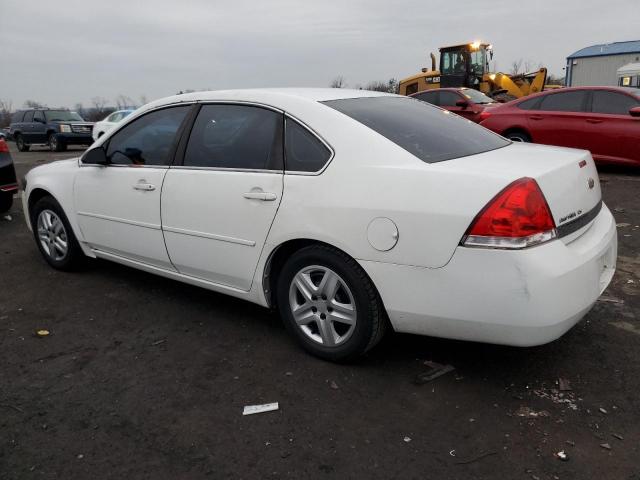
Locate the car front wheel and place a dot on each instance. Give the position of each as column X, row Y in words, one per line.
column 329, row 304
column 56, row 144
column 54, row 236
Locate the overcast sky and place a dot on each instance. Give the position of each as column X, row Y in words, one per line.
column 64, row 53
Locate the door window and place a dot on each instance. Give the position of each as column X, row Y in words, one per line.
column 303, row 151
column 236, row 137
column 38, row 115
column 29, row 116
column 148, row 140
column 429, row 97
column 564, row 102
column 448, row 99
column 612, row 103
column 412, row 88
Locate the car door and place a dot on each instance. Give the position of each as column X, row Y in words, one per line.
column 118, row 205
column 612, row 133
column 560, row 119
column 27, row 127
column 220, row 199
column 39, row 127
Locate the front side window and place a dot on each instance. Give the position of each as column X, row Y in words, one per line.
column 448, row 99
column 612, row 103
column 236, row 137
column 564, row 102
column 38, row 115
column 476, row 97
column 62, row 116
column 29, row 116
column 148, row 140
column 431, row 134
column 303, row 151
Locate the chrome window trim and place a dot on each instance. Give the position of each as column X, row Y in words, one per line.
column 223, row 169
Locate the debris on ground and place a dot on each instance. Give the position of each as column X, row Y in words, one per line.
column 569, row 442
column 159, row 342
column 476, row 458
column 334, row 385
column 606, row 298
column 560, row 398
column 606, row 446
column 623, row 225
column 618, row 436
column 602, row 410
column 529, row 413
column 435, row 370
column 266, row 407
column 452, row 453
column 564, row 385
column 8, row 218
column 561, row 455
column 7, row 405
column 407, row 439
column 618, row 209
column 288, row 374
column 42, row 333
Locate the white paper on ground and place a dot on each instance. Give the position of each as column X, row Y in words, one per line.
column 267, row 407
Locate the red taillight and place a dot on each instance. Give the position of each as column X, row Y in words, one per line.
column 517, row 217
column 4, row 148
column 483, row 115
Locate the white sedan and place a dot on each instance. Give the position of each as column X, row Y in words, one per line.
column 107, row 123
column 348, row 211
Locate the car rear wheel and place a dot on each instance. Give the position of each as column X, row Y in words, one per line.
column 329, row 304
column 54, row 236
column 22, row 146
column 6, row 201
column 56, row 144
column 518, row 137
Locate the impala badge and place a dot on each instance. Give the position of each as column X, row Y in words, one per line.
column 591, row 182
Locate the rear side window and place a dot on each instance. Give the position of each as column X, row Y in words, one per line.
column 38, row 115
column 303, row 151
column 431, row 134
column 429, row 97
column 531, row 104
column 236, row 137
column 612, row 103
column 149, row 139
column 17, row 117
column 564, row 102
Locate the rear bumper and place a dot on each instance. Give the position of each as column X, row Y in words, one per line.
column 521, row 298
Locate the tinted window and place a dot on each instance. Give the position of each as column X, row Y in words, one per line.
column 531, row 104
column 448, row 99
column 564, row 102
column 38, row 115
column 430, row 97
column 303, row 151
column 147, row 140
column 431, row 134
column 612, row 103
column 29, row 116
column 17, row 117
column 236, row 136
column 62, row 116
column 412, row 88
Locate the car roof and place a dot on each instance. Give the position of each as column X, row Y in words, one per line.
column 272, row 96
column 629, row 90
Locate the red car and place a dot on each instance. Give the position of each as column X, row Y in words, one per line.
column 604, row 120
column 466, row 102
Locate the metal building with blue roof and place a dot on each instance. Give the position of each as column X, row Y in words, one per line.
column 598, row 64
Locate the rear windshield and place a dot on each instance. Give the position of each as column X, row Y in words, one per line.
column 62, row 116
column 431, row 134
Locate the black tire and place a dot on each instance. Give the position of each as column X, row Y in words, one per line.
column 74, row 257
column 371, row 321
column 518, row 137
column 6, row 201
column 56, row 144
column 22, row 146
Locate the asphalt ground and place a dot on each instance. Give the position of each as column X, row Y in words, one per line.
column 144, row 377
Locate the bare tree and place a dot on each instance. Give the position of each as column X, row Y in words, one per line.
column 123, row 102
column 338, row 82
column 390, row 86
column 6, row 106
column 143, row 100
column 32, row 104
column 516, row 67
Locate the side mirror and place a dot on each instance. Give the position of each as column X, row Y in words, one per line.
column 634, row 112
column 462, row 103
column 95, row 156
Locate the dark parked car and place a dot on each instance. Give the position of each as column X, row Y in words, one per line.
column 8, row 182
column 466, row 102
column 56, row 128
column 604, row 120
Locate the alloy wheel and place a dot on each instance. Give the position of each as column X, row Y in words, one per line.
column 52, row 235
column 322, row 305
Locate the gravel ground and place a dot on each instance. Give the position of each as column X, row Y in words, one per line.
column 144, row 377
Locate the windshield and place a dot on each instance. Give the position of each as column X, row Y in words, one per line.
column 476, row 96
column 62, row 116
column 429, row 133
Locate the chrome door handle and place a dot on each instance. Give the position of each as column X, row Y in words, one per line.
column 145, row 187
column 264, row 196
